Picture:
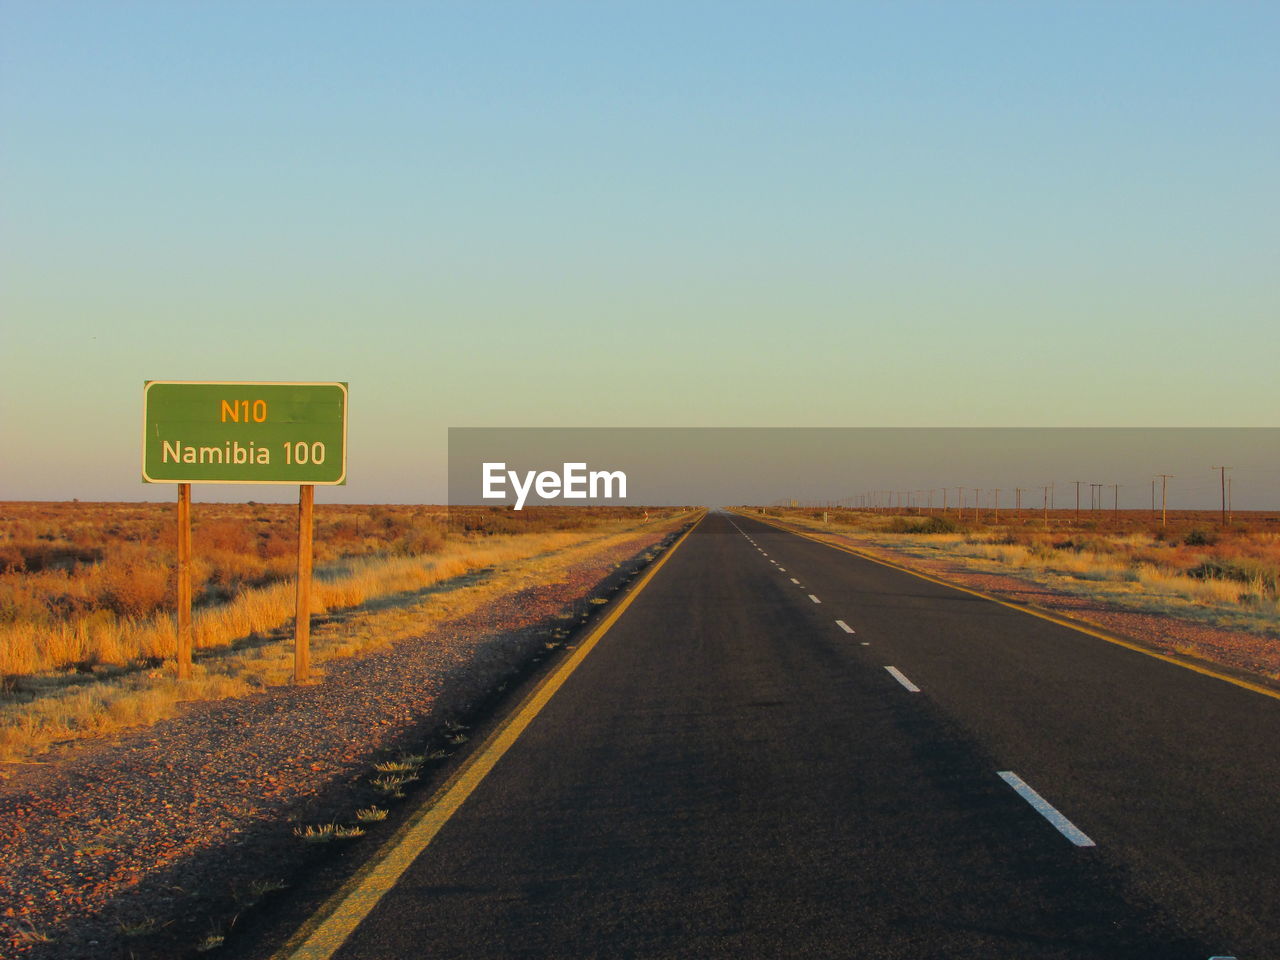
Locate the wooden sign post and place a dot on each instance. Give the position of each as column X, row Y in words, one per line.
column 184, row 581
column 302, row 611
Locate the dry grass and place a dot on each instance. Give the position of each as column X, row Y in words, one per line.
column 1193, row 568
column 84, row 585
column 385, row 598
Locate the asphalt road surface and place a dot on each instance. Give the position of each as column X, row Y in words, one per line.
column 735, row 772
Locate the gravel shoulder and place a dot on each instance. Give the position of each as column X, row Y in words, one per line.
column 150, row 844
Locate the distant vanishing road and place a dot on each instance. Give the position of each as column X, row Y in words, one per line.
column 735, row 771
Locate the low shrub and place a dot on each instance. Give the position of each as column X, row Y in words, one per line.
column 927, row 525
column 1241, row 571
column 939, row 525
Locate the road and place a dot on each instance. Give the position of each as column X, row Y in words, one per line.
column 734, row 772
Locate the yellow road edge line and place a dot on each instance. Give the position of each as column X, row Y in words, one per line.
column 328, row 929
column 1022, row 608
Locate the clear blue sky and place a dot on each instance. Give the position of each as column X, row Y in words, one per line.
column 686, row 214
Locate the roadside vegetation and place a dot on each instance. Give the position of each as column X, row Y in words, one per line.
column 87, row 631
column 1193, row 567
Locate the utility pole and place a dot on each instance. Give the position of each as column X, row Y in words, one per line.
column 976, row 508
column 960, row 502
column 1115, row 504
column 1046, row 507
column 944, row 499
column 1164, row 489
column 1222, row 476
column 996, row 504
column 1017, row 495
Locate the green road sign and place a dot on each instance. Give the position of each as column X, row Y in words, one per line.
column 210, row 432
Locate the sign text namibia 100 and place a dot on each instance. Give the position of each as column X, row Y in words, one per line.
column 199, row 432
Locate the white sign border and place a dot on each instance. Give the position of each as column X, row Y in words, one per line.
column 341, row 384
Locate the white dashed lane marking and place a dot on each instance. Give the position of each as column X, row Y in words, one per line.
column 1046, row 809
column 897, row 675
